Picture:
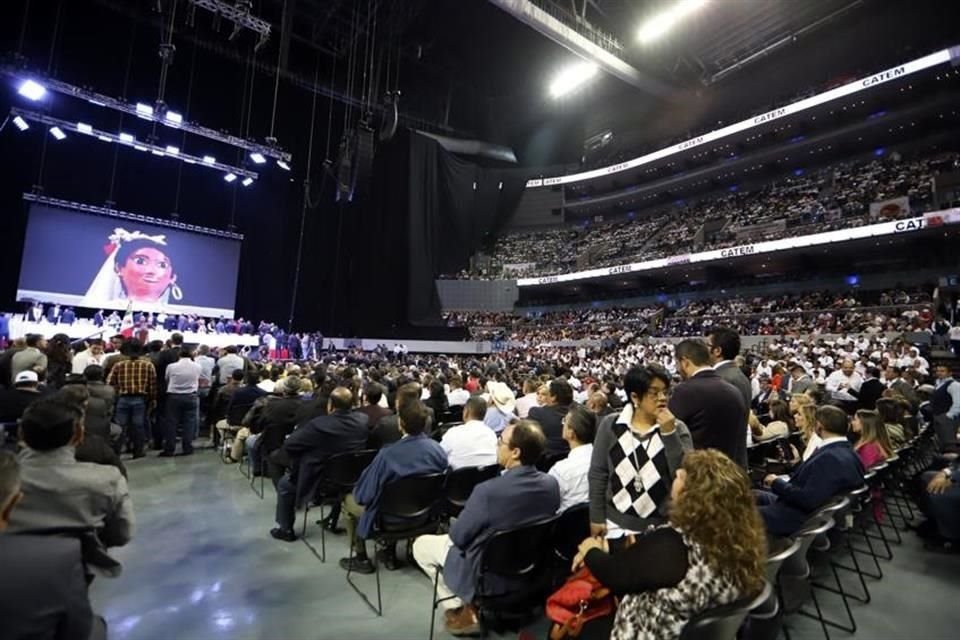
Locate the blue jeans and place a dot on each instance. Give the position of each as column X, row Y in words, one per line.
column 181, row 410
column 286, row 502
column 253, row 450
column 131, row 414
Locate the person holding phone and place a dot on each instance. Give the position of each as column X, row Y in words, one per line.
column 635, row 458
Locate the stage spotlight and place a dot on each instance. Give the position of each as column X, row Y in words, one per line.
column 126, row 137
column 257, row 157
column 21, row 123
column 144, row 110
column 571, row 78
column 172, row 150
column 283, row 165
column 32, row 90
column 57, row 133
column 230, row 177
column 661, row 23
column 173, row 117
column 83, row 127
column 247, row 182
column 209, row 160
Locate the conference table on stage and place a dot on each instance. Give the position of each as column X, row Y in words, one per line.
column 86, row 329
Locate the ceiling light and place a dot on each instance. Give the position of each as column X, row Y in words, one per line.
column 83, row 127
column 126, row 137
column 144, row 110
column 571, row 78
column 157, row 153
column 209, row 160
column 173, row 117
column 172, row 150
column 21, row 123
column 661, row 23
column 104, row 139
column 140, row 147
column 57, row 133
column 283, row 165
column 247, row 182
column 230, row 177
column 32, row 90
column 257, row 157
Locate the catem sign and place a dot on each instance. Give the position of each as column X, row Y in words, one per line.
column 907, row 225
column 895, row 73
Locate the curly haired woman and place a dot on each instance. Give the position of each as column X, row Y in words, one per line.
column 711, row 552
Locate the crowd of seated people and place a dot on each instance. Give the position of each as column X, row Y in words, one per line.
column 631, row 406
column 789, row 314
column 836, row 197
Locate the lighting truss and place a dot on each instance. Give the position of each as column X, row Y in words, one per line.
column 129, row 140
column 238, row 14
column 115, row 213
column 156, row 115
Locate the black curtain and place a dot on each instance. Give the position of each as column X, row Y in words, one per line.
column 453, row 205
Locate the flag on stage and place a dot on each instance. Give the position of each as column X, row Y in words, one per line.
column 126, row 325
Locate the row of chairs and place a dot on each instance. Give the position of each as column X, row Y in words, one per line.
column 863, row 524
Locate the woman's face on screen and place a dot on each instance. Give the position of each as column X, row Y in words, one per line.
column 146, row 274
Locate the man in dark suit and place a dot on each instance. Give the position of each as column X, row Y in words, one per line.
column 308, row 448
column 387, row 429
column 724, row 344
column 371, row 407
column 520, row 496
column 871, row 389
column 896, row 382
column 550, row 416
column 710, row 406
column 761, row 404
column 832, row 469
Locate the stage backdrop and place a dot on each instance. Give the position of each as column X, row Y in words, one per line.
column 83, row 259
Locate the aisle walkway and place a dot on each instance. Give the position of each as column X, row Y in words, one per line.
column 203, row 566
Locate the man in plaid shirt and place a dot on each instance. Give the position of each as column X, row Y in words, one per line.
column 135, row 380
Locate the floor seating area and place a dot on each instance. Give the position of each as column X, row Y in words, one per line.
column 844, row 575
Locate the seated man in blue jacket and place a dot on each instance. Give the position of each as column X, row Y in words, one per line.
column 415, row 454
column 834, row 468
column 521, row 495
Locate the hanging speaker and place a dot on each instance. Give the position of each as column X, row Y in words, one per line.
column 365, row 152
column 391, row 115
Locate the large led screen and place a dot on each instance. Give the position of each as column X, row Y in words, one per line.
column 83, row 259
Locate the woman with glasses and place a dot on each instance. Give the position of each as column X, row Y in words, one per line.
column 635, row 457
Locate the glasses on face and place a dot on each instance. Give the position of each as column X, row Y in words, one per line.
column 656, row 393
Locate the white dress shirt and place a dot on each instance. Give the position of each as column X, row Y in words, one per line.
column 525, row 403
column 472, row 444
column 458, row 397
column 571, row 475
column 837, row 378
column 183, row 376
column 84, row 359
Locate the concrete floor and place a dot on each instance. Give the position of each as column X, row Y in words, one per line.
column 202, row 565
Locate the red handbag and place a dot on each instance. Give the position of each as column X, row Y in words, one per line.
column 580, row 599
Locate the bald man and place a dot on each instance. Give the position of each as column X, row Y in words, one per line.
column 844, row 381
column 308, row 448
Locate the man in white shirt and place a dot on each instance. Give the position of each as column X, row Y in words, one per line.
column 579, row 429
column 93, row 354
column 529, row 398
column 457, row 396
column 845, row 381
column 182, row 405
column 229, row 363
column 472, row 444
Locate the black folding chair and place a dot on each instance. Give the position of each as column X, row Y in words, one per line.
column 460, row 484
column 340, row 472
column 522, row 554
column 408, row 508
column 573, row 526
column 547, row 460
column 95, row 559
column 793, row 581
column 443, row 427
column 723, row 622
column 765, row 621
